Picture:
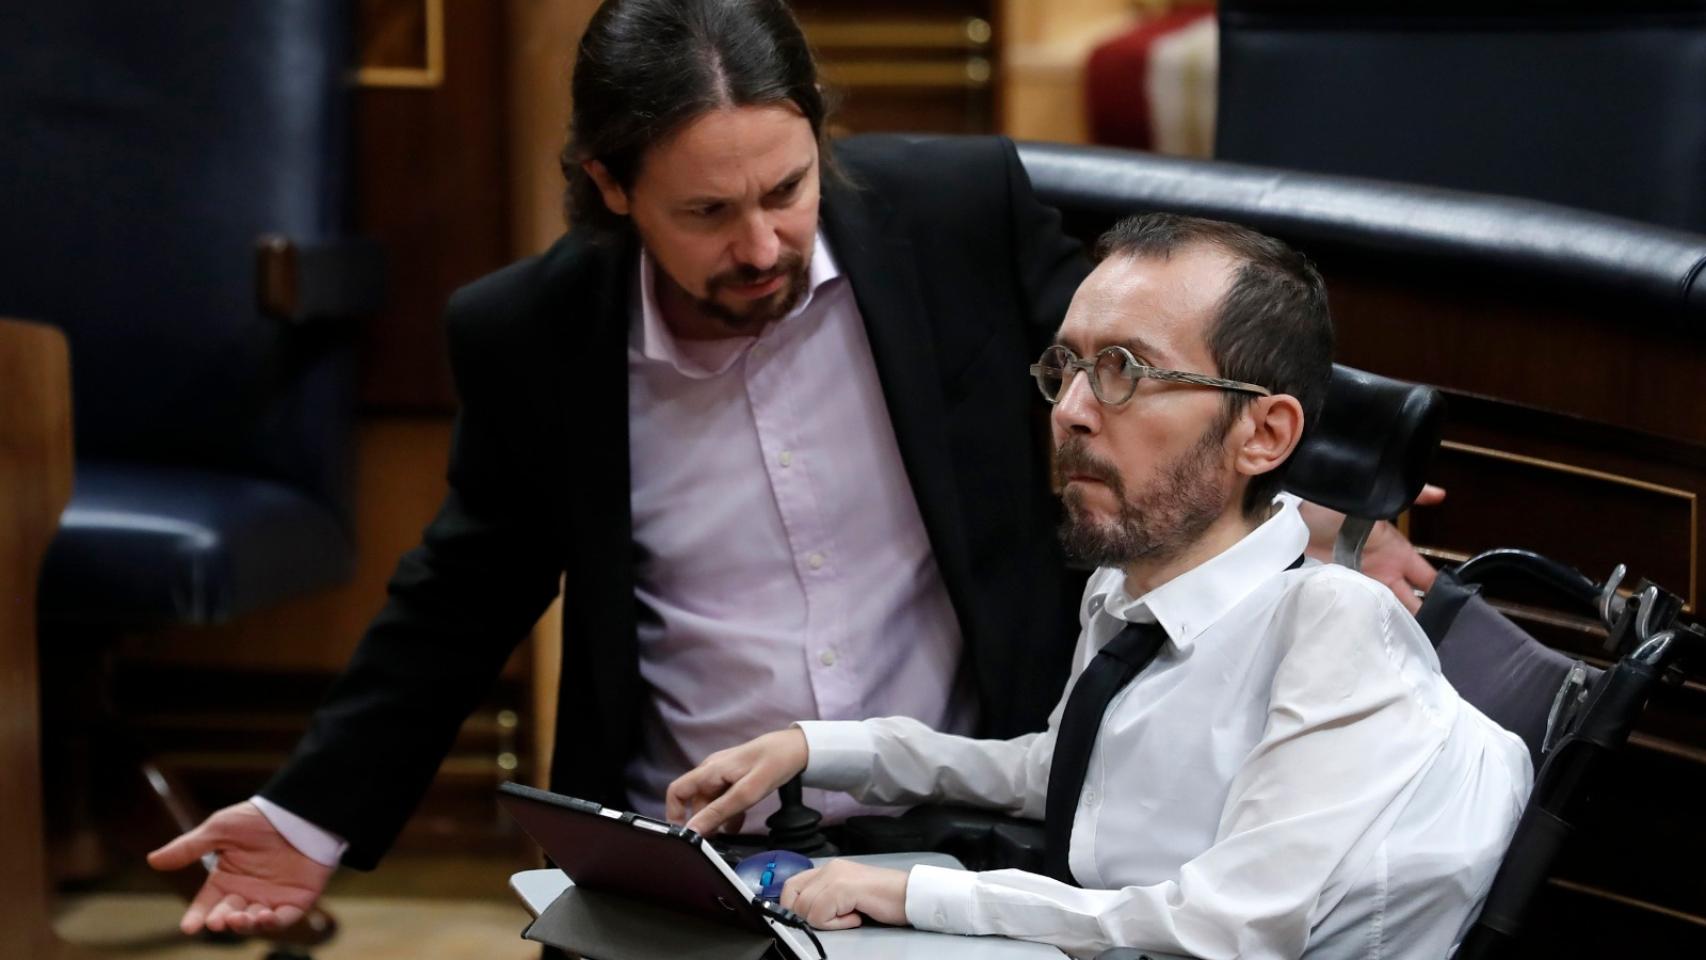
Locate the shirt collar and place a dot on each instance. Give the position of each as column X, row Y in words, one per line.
column 1195, row 600
column 651, row 340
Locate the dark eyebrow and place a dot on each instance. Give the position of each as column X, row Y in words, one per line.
column 795, row 175
column 1139, row 347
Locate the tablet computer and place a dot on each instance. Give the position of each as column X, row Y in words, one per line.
column 650, row 861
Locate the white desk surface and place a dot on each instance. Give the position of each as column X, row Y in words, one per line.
column 538, row 888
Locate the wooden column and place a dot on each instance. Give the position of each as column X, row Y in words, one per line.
column 35, row 483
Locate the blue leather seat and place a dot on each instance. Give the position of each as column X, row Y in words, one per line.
column 152, row 147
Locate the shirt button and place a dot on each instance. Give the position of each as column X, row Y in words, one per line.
column 827, row 658
column 786, row 458
column 941, row 919
column 815, row 561
column 1089, row 798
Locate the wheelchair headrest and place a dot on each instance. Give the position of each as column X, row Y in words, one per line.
column 1369, row 453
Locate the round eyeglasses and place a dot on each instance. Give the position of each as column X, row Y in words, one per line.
column 1114, row 373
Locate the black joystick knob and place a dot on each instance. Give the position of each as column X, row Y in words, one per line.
column 795, row 826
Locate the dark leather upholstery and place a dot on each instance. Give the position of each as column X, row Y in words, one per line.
column 1507, row 674
column 1594, row 105
column 1369, row 454
column 1655, row 270
column 144, row 545
column 151, row 146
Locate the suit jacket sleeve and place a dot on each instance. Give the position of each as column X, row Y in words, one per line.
column 1049, row 264
column 458, row 605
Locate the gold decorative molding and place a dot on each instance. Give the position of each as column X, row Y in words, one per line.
column 968, row 33
column 1688, row 496
column 1643, row 905
column 431, row 72
column 971, row 73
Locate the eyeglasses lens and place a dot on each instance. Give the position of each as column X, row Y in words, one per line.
column 1112, row 384
column 1051, row 372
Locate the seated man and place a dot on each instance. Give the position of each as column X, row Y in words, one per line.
column 1257, row 756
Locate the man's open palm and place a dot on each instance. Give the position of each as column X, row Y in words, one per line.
column 260, row 882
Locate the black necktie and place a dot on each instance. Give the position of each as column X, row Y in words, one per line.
column 1109, row 671
column 1122, row 659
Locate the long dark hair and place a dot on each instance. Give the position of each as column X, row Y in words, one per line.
column 646, row 67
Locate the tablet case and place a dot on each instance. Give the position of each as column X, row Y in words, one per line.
column 606, row 926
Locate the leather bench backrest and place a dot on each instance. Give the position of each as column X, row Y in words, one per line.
column 1591, row 104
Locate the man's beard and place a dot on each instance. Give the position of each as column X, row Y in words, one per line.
column 1156, row 524
column 765, row 309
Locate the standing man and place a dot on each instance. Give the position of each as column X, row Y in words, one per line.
column 751, row 415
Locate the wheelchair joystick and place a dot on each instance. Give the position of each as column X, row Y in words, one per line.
column 795, row 826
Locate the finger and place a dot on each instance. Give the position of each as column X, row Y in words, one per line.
column 1404, row 592
column 195, row 917
column 239, row 921
column 804, row 899
column 262, row 916
column 734, row 800
column 1430, row 495
column 220, row 915
column 288, row 915
column 1419, row 571
column 188, row 848
column 793, row 885
column 678, row 799
column 693, row 791
column 845, row 921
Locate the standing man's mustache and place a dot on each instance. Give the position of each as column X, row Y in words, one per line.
column 746, row 275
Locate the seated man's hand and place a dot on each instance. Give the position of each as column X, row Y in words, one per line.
column 718, row 792
column 260, row 881
column 1387, row 556
column 833, row 897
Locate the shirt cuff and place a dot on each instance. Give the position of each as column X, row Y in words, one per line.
column 838, row 754
column 940, row 899
column 317, row 844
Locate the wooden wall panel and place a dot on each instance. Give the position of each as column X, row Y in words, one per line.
column 432, row 186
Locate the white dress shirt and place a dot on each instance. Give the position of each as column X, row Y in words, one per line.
column 782, row 558
column 1291, row 776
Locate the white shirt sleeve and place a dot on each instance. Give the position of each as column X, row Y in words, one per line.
column 316, row 843
column 1347, row 737
column 898, row 760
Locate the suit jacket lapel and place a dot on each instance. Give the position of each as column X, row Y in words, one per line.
column 871, row 243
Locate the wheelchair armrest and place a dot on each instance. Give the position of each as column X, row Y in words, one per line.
column 980, row 839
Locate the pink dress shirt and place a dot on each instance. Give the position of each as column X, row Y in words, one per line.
column 783, row 562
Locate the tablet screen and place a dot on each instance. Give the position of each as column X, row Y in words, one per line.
column 624, row 853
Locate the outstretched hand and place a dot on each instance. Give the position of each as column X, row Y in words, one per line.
column 1388, row 556
column 718, row 792
column 259, row 882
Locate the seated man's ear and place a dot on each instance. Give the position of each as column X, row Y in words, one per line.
column 615, row 198
column 1276, row 425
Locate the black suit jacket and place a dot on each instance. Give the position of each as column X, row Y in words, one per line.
column 962, row 279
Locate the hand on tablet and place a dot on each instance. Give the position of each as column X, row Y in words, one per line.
column 718, row 792
column 841, row 894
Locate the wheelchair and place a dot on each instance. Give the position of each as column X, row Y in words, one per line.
column 1368, row 459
